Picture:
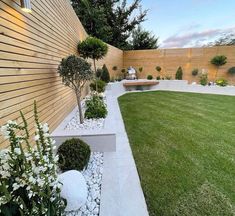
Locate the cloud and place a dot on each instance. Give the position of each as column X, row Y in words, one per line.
column 195, row 38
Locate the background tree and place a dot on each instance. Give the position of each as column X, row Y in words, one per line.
column 218, row 61
column 112, row 20
column 75, row 72
column 225, row 40
column 142, row 39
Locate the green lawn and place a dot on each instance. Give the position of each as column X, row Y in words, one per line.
column 184, row 149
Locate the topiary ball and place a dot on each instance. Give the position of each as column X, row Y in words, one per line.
column 74, row 154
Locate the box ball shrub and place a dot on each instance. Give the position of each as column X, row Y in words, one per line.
column 195, row 72
column 158, row 68
column 179, row 74
column 74, row 154
column 95, row 108
column 149, row 77
column 158, row 78
column 100, row 86
column 219, row 60
column 231, row 70
column 221, row 82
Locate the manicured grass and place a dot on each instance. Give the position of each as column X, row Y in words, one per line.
column 184, row 148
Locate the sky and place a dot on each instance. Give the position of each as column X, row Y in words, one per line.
column 189, row 23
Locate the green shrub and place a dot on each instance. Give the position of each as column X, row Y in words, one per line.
column 95, row 108
column 231, row 70
column 219, row 60
column 168, row 77
column 158, row 68
column 179, row 74
column 149, row 77
column 74, row 154
column 115, row 68
column 100, row 86
column 158, row 78
column 221, row 82
column 99, row 72
column 203, row 79
column 195, row 72
column 105, row 76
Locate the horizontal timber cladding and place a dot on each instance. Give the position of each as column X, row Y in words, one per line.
column 31, row 47
column 188, row 58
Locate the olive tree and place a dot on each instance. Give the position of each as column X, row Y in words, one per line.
column 75, row 72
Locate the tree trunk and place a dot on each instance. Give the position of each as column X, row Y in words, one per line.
column 79, row 107
column 96, row 87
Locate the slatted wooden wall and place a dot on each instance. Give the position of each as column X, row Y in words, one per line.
column 31, row 47
column 188, row 59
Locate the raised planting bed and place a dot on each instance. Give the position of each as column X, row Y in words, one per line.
column 97, row 133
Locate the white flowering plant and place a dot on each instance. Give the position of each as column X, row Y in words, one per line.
column 28, row 175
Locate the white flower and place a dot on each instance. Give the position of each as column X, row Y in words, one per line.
column 15, row 186
column 17, row 151
column 5, row 132
column 32, row 179
column 45, row 128
column 36, row 138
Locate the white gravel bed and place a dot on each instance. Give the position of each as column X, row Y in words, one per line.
column 89, row 124
column 93, row 175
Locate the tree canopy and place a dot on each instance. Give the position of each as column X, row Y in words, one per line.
column 110, row 20
column 225, row 40
column 142, row 39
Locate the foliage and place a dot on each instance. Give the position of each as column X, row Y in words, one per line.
column 142, row 40
column 203, row 79
column 195, row 72
column 231, row 70
column 118, row 79
column 93, row 48
column 74, row 154
column 75, row 73
column 99, row 84
column 225, row 40
column 115, row 68
column 112, row 79
column 221, row 82
column 95, row 108
column 141, row 69
column 219, row 60
column 179, row 74
column 105, row 76
column 158, row 78
column 184, row 140
column 158, row 69
column 99, row 71
column 168, row 77
column 28, row 176
column 110, row 20
column 149, row 77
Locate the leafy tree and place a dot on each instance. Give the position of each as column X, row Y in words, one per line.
column 179, row 74
column 142, row 39
column 218, row 61
column 93, row 48
column 110, row 20
column 75, row 72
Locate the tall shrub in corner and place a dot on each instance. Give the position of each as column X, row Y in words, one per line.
column 218, row 61
column 105, row 76
column 92, row 48
column 75, row 72
column 179, row 74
